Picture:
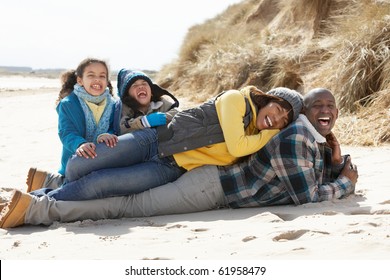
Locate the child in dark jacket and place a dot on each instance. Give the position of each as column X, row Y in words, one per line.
column 144, row 104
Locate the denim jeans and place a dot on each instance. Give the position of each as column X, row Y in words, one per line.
column 197, row 190
column 131, row 167
column 132, row 148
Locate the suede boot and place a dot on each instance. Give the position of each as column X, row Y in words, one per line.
column 35, row 179
column 13, row 214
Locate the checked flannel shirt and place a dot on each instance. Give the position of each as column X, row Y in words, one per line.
column 293, row 168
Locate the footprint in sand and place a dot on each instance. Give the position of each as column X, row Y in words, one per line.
column 197, row 230
column 177, row 226
column 355, row 231
column 200, row 229
column 249, row 238
column 43, row 244
column 295, row 234
column 16, row 244
column 290, row 235
column 374, row 224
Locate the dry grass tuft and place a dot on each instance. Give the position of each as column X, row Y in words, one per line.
column 342, row 45
column 370, row 126
column 364, row 55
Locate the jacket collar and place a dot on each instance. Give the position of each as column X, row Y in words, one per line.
column 317, row 136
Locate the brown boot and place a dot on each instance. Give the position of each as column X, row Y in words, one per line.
column 35, row 179
column 13, row 214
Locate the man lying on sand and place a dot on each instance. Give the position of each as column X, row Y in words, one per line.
column 301, row 164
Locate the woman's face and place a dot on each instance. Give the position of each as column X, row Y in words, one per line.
column 140, row 90
column 272, row 116
column 94, row 79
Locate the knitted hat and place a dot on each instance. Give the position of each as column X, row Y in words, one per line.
column 128, row 77
column 291, row 96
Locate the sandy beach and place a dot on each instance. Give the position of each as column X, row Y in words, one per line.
column 356, row 228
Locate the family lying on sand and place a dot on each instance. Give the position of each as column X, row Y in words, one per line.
column 243, row 148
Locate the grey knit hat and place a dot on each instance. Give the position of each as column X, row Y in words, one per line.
column 291, row 96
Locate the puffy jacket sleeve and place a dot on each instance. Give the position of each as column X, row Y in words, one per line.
column 71, row 125
column 240, row 142
column 169, row 108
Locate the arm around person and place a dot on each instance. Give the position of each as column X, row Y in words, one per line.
column 231, row 108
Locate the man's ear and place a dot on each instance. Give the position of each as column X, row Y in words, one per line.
column 337, row 114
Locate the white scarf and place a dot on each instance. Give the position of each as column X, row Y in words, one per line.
column 317, row 136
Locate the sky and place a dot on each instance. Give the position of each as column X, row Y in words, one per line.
column 143, row 34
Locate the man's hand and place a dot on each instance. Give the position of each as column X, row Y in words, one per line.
column 350, row 171
column 335, row 146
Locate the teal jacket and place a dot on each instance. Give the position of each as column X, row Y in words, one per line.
column 72, row 127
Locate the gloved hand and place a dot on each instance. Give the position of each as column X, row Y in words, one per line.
column 154, row 119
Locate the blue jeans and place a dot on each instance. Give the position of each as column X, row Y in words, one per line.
column 132, row 148
column 131, row 167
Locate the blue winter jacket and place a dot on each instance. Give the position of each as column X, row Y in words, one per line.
column 72, row 128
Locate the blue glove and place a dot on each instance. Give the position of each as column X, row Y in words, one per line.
column 154, row 119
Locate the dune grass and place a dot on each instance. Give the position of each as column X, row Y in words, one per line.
column 341, row 45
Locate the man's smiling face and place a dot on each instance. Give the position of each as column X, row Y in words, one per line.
column 321, row 110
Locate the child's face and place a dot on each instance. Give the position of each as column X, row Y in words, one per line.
column 94, row 79
column 140, row 90
column 272, row 116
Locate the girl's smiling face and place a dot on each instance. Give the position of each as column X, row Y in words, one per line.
column 94, row 79
column 272, row 116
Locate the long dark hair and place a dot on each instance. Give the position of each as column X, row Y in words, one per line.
column 69, row 78
column 261, row 99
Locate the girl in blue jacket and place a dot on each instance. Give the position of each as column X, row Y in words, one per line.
column 85, row 108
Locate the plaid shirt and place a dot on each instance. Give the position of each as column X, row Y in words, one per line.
column 293, row 168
